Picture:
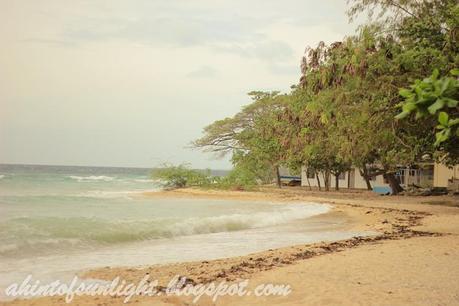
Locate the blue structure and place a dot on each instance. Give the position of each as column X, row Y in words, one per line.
column 382, row 190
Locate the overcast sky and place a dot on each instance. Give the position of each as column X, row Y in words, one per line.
column 132, row 83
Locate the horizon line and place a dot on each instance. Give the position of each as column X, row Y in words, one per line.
column 91, row 166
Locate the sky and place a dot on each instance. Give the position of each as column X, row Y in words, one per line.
column 132, row 83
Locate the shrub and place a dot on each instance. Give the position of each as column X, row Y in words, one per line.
column 181, row 176
column 239, row 178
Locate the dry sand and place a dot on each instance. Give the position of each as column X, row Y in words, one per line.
column 413, row 261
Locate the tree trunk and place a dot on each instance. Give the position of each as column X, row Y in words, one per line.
column 364, row 173
column 309, row 183
column 349, row 179
column 393, row 183
column 367, row 181
column 327, row 180
column 306, row 172
column 318, row 180
column 337, row 181
column 278, row 178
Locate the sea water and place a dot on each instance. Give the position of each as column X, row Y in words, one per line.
column 56, row 221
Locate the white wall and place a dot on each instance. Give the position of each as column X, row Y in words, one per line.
column 444, row 175
column 304, row 179
column 313, row 181
column 343, row 183
column 357, row 180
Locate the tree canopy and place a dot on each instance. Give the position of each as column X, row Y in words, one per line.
column 352, row 105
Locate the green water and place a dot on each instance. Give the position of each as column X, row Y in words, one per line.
column 55, row 221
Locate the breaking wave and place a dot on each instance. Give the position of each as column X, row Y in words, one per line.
column 39, row 234
column 106, row 194
column 92, row 178
column 145, row 181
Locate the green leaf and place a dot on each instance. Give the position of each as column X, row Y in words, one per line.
column 436, row 106
column 418, row 90
column 409, row 107
column 441, row 137
column 443, row 118
column 423, row 100
column 451, row 102
column 455, row 72
column 435, row 74
column 402, row 115
column 453, row 122
column 444, row 85
column 406, row 93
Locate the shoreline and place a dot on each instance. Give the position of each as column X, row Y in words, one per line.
column 405, row 222
column 389, row 223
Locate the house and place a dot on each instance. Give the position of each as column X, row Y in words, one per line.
column 446, row 177
column 349, row 179
column 287, row 177
column 423, row 175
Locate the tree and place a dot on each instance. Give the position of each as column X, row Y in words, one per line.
column 251, row 135
column 342, row 111
column 428, row 33
column 353, row 91
column 437, row 97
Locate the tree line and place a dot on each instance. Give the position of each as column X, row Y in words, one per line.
column 383, row 98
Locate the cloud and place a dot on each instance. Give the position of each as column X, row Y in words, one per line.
column 177, row 31
column 237, row 35
column 264, row 49
column 98, row 63
column 176, row 25
column 203, row 72
column 285, row 69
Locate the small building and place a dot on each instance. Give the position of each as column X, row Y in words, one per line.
column 422, row 175
column 350, row 179
column 287, row 177
column 444, row 176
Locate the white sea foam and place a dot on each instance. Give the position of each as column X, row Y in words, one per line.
column 105, row 194
column 285, row 214
column 92, row 178
column 38, row 246
column 144, row 181
column 90, row 230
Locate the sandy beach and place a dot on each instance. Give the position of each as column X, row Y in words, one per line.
column 214, row 153
column 412, row 260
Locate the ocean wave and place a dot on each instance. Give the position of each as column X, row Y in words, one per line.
column 144, row 181
column 92, row 178
column 95, row 194
column 21, row 248
column 104, row 194
column 104, row 178
column 6, row 176
column 235, row 222
column 94, row 231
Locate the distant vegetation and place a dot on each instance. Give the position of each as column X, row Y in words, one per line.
column 180, row 176
column 355, row 102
